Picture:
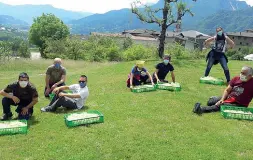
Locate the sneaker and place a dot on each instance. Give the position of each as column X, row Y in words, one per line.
column 197, row 109
column 6, row 116
column 47, row 109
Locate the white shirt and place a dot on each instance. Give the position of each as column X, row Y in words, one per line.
column 83, row 92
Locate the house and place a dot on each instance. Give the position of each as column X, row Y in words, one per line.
column 242, row 38
column 143, row 36
column 189, row 39
column 142, row 33
column 2, row 29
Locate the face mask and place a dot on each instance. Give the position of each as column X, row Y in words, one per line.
column 57, row 65
column 243, row 78
column 166, row 61
column 23, row 84
column 82, row 84
column 219, row 33
column 139, row 69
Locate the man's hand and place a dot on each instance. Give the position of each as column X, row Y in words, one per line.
column 56, row 90
column 131, row 87
column 24, row 111
column 15, row 99
column 62, row 94
column 219, row 102
column 158, row 81
column 54, row 86
column 152, row 83
column 48, row 90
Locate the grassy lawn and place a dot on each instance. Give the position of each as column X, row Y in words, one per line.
column 154, row 125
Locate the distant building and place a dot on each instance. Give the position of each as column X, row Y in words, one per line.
column 242, row 38
column 2, row 29
column 142, row 33
column 189, row 39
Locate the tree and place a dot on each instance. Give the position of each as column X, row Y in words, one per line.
column 5, row 50
column 47, row 26
column 169, row 17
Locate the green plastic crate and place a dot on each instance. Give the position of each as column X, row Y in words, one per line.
column 163, row 86
column 242, row 113
column 99, row 119
column 143, row 88
column 14, row 130
column 216, row 81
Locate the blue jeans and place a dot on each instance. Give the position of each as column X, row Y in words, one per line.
column 223, row 63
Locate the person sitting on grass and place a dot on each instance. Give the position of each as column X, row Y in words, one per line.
column 55, row 76
column 21, row 93
column 238, row 93
column 139, row 75
column 75, row 100
column 162, row 69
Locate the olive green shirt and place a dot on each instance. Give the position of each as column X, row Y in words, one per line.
column 55, row 74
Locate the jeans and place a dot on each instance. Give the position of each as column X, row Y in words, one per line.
column 223, row 63
column 66, row 102
column 143, row 79
column 7, row 102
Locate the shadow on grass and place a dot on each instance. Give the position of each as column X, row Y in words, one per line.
column 32, row 121
column 84, row 125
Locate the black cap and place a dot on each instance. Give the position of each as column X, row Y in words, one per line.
column 23, row 75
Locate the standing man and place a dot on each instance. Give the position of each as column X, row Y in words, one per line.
column 162, row 69
column 75, row 100
column 55, row 76
column 22, row 94
column 217, row 54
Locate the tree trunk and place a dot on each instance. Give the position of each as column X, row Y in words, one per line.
column 163, row 31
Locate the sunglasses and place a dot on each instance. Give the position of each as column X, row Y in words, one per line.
column 81, row 81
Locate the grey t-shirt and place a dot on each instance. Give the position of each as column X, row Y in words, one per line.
column 55, row 74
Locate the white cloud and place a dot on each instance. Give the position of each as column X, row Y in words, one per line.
column 95, row 6
column 250, row 2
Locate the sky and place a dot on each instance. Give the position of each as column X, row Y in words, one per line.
column 93, row 6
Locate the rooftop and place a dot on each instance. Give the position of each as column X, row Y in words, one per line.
column 240, row 34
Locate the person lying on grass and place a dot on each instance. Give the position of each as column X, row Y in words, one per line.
column 238, row 93
column 21, row 93
column 55, row 76
column 162, row 69
column 139, row 75
column 75, row 100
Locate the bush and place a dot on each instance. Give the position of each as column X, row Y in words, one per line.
column 239, row 54
column 128, row 42
column 137, row 52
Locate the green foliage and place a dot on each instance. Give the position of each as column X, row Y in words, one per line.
column 137, row 52
column 15, row 48
column 45, row 27
column 239, row 54
column 128, row 42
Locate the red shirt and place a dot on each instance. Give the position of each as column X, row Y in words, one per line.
column 242, row 92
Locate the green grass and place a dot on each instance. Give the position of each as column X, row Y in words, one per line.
column 153, row 125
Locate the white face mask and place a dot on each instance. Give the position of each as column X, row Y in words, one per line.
column 243, row 78
column 23, row 84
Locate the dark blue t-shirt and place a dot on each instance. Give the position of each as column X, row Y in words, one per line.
column 137, row 74
column 163, row 70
